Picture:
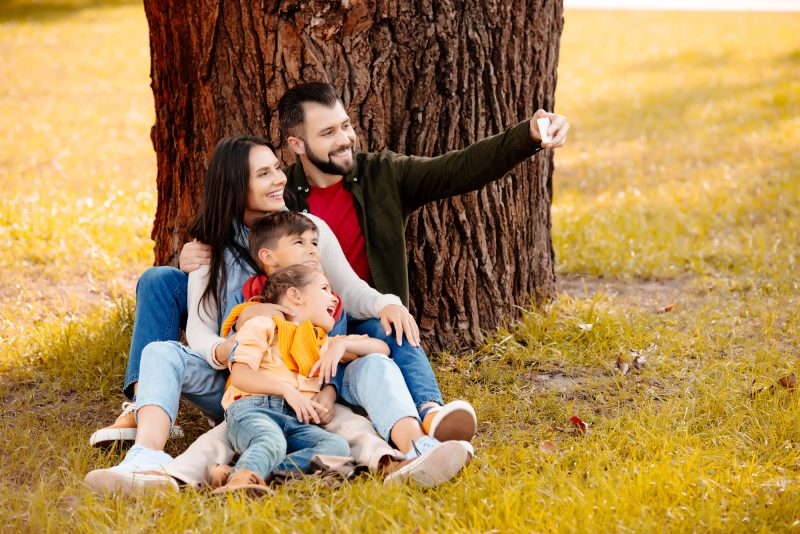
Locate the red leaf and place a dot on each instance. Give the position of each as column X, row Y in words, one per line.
column 789, row 381
column 577, row 423
column 548, row 446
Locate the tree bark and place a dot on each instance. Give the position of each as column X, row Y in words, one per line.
column 418, row 77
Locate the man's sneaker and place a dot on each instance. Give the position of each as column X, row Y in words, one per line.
column 437, row 463
column 455, row 421
column 124, row 428
column 140, row 469
column 245, row 481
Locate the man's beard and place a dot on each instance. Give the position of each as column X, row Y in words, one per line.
column 329, row 167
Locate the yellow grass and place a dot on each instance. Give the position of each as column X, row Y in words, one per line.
column 679, row 183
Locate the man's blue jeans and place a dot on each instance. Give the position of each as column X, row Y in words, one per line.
column 161, row 312
column 265, row 431
column 412, row 361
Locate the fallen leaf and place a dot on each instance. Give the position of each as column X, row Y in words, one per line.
column 548, row 447
column 639, row 361
column 668, row 308
column 579, row 424
column 623, row 366
column 753, row 391
column 789, row 381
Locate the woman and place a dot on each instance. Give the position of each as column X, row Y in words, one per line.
column 243, row 182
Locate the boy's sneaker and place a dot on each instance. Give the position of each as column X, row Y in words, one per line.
column 124, row 428
column 436, row 462
column 141, row 468
column 455, row 421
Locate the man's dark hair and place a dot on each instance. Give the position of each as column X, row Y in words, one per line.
column 278, row 283
column 267, row 230
column 290, row 107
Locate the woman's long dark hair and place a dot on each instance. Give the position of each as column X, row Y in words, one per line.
column 221, row 212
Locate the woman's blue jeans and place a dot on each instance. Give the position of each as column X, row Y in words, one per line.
column 161, row 312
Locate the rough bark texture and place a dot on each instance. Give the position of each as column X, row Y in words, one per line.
column 419, row 77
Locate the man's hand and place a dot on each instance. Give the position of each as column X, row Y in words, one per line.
column 306, row 409
column 557, row 130
column 327, row 398
column 403, row 322
column 328, row 362
column 193, row 255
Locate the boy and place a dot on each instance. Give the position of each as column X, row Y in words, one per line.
column 285, row 236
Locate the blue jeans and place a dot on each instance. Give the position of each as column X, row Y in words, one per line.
column 376, row 384
column 170, row 370
column 161, row 312
column 412, row 361
column 265, row 431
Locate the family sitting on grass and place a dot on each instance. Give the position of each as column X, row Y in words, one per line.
column 287, row 315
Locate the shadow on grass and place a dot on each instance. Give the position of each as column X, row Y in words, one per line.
column 52, row 11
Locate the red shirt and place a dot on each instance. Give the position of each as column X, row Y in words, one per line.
column 335, row 206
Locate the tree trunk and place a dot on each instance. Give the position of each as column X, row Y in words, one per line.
column 419, row 77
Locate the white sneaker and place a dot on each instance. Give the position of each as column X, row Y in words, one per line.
column 440, row 462
column 124, row 428
column 455, row 420
column 141, row 468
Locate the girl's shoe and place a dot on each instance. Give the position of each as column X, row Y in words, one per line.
column 455, row 420
column 247, row 481
column 217, row 475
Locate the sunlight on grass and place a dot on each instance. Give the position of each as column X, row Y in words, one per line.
column 682, row 166
column 684, row 154
column 77, row 168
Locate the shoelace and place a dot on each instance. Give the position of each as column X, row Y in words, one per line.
column 127, row 407
column 425, row 446
column 133, row 452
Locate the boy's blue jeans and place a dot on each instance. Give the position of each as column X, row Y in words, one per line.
column 161, row 312
column 412, row 361
column 376, row 384
column 265, row 431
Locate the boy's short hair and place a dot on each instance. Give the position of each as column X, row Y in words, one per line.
column 267, row 230
column 279, row 282
column 290, row 107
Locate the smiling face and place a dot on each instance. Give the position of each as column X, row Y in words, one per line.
column 314, row 302
column 329, row 140
column 265, row 185
column 292, row 250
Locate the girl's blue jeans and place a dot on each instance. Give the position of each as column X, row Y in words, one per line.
column 265, row 431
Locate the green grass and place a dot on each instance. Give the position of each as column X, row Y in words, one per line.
column 679, row 184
